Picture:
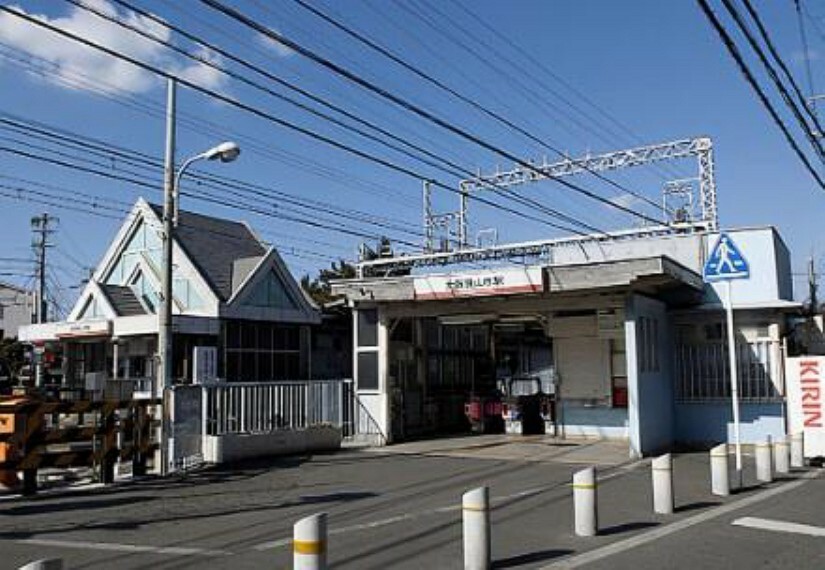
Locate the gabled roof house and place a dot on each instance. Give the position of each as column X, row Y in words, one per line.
column 231, row 291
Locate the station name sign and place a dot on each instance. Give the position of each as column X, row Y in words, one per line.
column 81, row 329
column 479, row 283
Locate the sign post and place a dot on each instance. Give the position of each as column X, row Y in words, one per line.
column 726, row 263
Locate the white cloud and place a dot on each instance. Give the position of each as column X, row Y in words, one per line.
column 68, row 58
column 626, row 200
column 801, row 57
column 273, row 45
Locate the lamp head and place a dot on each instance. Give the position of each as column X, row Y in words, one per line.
column 225, row 152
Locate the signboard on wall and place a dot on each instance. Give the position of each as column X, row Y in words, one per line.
column 83, row 329
column 510, row 281
column 804, row 386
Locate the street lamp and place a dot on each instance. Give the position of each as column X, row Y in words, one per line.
column 225, row 152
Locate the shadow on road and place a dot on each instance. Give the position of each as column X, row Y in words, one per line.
column 627, row 527
column 530, row 558
column 696, row 506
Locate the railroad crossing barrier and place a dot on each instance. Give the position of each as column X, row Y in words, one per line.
column 36, row 434
column 475, row 506
column 719, row 467
column 309, row 543
column 585, row 502
column 764, row 470
column 662, row 474
column 797, row 450
column 782, row 455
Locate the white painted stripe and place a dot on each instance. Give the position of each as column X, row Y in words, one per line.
column 115, row 547
column 661, row 532
column 780, row 526
column 500, row 501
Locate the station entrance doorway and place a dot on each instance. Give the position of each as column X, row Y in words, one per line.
column 458, row 373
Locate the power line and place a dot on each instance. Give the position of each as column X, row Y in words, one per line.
column 272, row 118
column 237, row 188
column 338, row 70
column 740, row 62
column 205, row 61
column 786, row 97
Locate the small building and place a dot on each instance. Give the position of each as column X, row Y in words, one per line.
column 629, row 338
column 231, row 291
column 17, row 307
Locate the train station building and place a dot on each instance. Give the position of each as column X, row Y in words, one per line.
column 621, row 330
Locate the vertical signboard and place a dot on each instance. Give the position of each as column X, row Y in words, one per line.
column 803, row 383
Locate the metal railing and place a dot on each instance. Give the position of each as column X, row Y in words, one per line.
column 703, row 372
column 266, row 407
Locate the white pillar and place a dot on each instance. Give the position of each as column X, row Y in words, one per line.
column 585, row 502
column 719, row 476
column 782, row 455
column 475, row 505
column 662, row 474
column 309, row 543
column 764, row 472
column 797, row 449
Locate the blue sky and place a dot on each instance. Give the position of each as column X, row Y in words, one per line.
column 655, row 68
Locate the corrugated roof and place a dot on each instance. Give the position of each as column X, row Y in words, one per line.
column 213, row 245
column 123, row 300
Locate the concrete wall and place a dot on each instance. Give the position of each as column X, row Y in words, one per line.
column 576, row 420
column 710, row 423
column 650, row 388
column 235, row 447
column 16, row 310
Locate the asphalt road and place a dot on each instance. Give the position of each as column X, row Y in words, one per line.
column 402, row 511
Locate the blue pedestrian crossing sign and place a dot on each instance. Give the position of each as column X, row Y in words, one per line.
column 725, row 261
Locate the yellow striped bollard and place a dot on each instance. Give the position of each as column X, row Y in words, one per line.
column 584, row 502
column 309, row 543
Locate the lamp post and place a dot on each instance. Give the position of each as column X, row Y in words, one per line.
column 225, row 152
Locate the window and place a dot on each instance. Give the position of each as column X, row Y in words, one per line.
column 368, row 327
column 262, row 351
column 368, row 370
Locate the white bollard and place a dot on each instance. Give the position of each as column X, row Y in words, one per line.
column 475, row 506
column 45, row 564
column 585, row 502
column 798, row 449
column 309, row 543
column 764, row 471
column 782, row 455
column 719, row 476
column 662, row 472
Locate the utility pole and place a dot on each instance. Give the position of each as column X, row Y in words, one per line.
column 42, row 228
column 812, row 286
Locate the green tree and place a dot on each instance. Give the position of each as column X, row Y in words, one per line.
column 12, row 357
column 319, row 287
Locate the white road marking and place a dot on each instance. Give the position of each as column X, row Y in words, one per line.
column 780, row 526
column 495, row 501
column 661, row 532
column 114, row 547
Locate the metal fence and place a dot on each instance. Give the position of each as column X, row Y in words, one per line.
column 265, row 407
column 703, row 371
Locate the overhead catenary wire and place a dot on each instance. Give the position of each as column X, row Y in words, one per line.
column 272, row 118
column 763, row 99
